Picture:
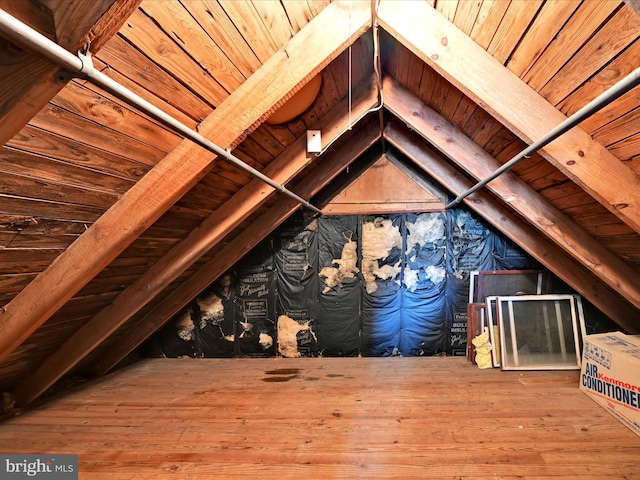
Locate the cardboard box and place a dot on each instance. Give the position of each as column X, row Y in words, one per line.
column 611, row 375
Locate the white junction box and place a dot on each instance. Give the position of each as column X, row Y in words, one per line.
column 314, row 141
column 611, row 375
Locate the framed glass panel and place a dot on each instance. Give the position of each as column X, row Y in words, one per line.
column 511, row 282
column 473, row 287
column 539, row 332
column 494, row 330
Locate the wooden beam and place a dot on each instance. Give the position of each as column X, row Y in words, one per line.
column 546, row 252
column 518, row 195
column 213, row 229
column 330, row 167
column 330, row 33
column 522, row 110
column 27, row 78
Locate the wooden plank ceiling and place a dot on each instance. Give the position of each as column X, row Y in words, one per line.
column 110, row 222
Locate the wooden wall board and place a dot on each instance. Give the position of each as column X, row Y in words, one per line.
column 587, row 18
column 546, row 24
column 13, row 262
column 50, row 171
column 466, row 15
column 618, row 33
column 276, row 20
column 176, row 22
column 62, row 122
column 10, row 285
column 515, row 21
column 163, row 51
column 153, row 81
column 619, row 129
column 475, row 122
column 487, row 22
column 626, row 149
column 249, row 23
column 447, row 8
column 42, row 143
column 53, row 210
column 466, row 107
column 383, row 186
column 35, row 241
column 212, row 18
column 540, row 174
column 613, row 72
column 89, row 102
column 487, row 132
column 19, row 185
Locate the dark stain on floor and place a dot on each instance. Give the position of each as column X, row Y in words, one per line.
column 283, row 371
column 280, row 378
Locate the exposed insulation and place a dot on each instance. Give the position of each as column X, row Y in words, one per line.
column 346, row 267
column 184, row 325
column 379, row 238
column 436, row 274
column 428, row 228
column 288, row 329
column 483, row 349
column 246, row 328
column 412, row 280
column 212, row 310
column 266, row 341
column 313, row 226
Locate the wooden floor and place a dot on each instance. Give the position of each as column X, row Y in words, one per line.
column 315, row 418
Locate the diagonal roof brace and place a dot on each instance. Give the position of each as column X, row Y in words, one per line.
column 623, row 86
column 82, row 66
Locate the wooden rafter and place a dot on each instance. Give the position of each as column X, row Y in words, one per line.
column 212, row 230
column 540, row 248
column 475, row 72
column 284, row 73
column 519, row 196
column 331, row 166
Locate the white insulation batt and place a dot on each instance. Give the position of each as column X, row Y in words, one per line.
column 266, row 341
column 288, row 329
column 212, row 310
column 184, row 325
column 346, row 267
column 379, row 238
column 427, row 229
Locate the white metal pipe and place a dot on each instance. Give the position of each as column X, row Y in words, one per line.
column 30, row 39
column 623, row 86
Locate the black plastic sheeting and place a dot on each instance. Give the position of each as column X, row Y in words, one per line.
column 339, row 320
column 418, row 307
column 255, row 299
column 296, row 257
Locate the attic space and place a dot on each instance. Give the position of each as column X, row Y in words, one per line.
column 347, row 187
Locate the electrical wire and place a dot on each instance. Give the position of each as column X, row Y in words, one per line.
column 376, row 70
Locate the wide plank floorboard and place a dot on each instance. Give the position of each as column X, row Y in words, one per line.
column 328, row 418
